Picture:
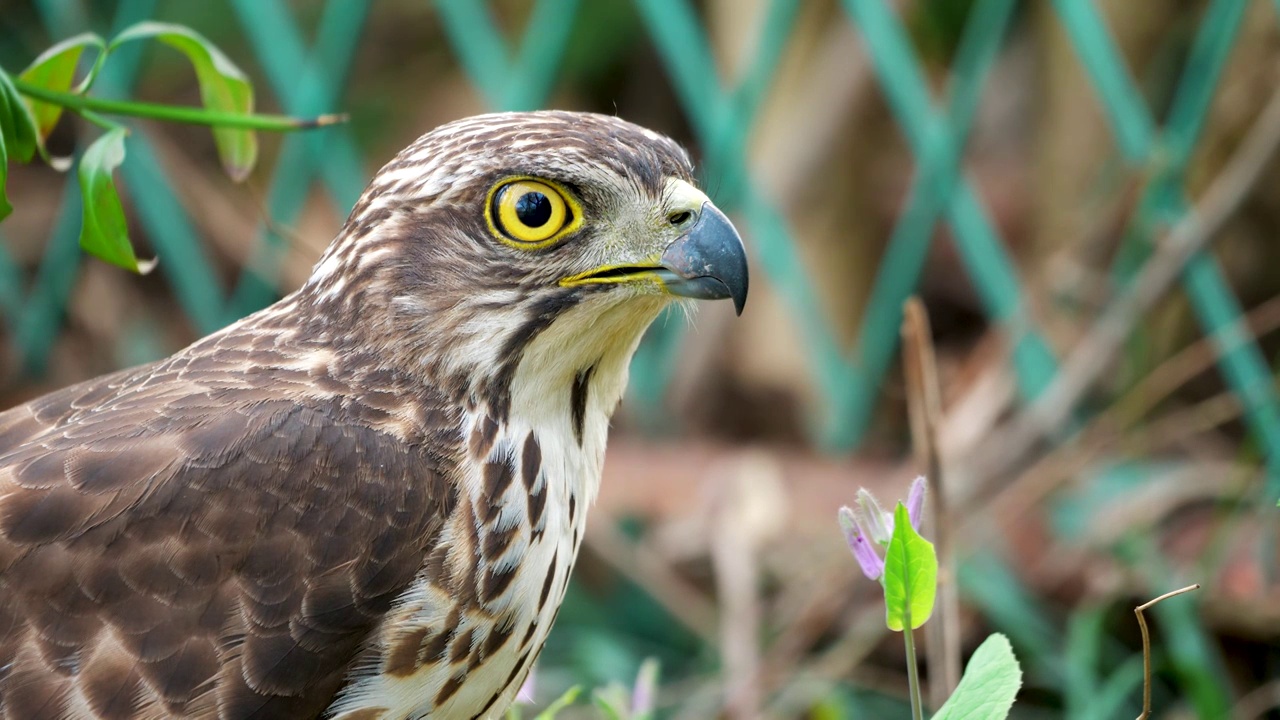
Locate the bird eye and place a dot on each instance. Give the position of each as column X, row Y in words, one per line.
column 530, row 211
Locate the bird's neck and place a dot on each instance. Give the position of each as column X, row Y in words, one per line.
column 572, row 375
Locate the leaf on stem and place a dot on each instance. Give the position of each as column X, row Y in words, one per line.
column 104, row 232
column 989, row 685
column 223, row 88
column 55, row 69
column 16, row 123
column 17, row 135
column 910, row 575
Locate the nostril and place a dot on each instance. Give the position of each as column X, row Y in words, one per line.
column 679, row 218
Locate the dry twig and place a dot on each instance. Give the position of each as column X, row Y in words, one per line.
column 1146, row 646
column 924, row 405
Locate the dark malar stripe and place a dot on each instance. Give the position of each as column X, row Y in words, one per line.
column 542, row 312
column 578, row 401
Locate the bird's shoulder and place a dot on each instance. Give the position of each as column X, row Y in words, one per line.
column 202, row 533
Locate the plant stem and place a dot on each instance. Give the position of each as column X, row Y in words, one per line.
column 913, row 672
column 173, row 113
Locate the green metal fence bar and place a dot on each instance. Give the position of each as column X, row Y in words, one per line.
column 1199, row 83
column 742, row 105
column 722, row 120
column 980, row 249
column 522, row 81
column 62, row 18
column 37, row 324
column 311, row 83
column 183, row 260
column 10, row 288
column 905, row 255
column 1091, row 38
column 683, row 47
column 329, row 152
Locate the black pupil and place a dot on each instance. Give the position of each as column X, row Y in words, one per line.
column 533, row 209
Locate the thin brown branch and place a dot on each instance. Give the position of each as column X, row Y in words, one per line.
column 924, row 405
column 1146, row 646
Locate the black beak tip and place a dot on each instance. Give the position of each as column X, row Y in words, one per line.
column 737, row 291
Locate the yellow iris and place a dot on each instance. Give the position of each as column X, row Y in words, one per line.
column 530, row 211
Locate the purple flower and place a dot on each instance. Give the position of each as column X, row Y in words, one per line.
column 915, row 501
column 872, row 565
column 868, row 525
column 874, row 521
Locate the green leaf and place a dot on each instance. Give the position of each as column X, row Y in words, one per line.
column 5, row 207
column 223, row 88
column 989, row 685
column 16, row 123
column 910, row 575
column 569, row 697
column 55, row 69
column 104, row 232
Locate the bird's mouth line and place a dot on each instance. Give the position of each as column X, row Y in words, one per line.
column 610, row 274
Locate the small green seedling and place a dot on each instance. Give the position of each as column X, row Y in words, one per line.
column 908, row 572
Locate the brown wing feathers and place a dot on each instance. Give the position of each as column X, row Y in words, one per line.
column 171, row 546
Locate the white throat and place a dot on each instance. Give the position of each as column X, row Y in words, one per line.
column 584, row 340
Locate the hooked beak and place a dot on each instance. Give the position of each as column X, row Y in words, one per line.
column 708, row 262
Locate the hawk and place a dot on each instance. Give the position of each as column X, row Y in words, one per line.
column 365, row 500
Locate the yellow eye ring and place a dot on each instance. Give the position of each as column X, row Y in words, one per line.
column 529, row 214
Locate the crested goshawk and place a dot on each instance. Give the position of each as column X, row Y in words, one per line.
column 365, row 500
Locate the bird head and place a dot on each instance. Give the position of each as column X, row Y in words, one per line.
column 496, row 230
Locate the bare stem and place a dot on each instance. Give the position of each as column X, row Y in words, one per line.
column 1146, row 646
column 913, row 671
column 173, row 113
column 924, row 406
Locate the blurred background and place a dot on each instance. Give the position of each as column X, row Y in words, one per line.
column 1081, row 193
